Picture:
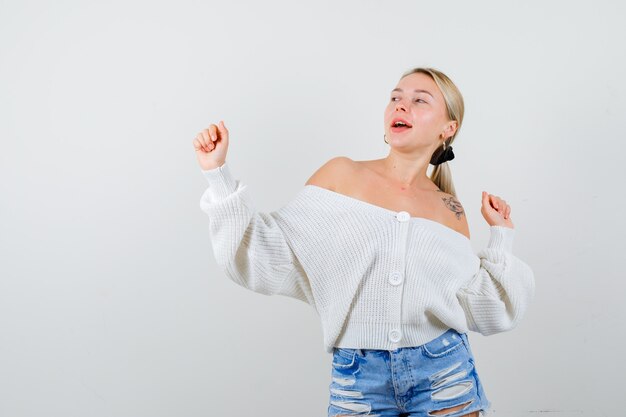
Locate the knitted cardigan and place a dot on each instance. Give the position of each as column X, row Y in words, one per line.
column 378, row 279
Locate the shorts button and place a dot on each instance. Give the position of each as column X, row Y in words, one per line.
column 395, row 278
column 403, row 216
column 395, row 335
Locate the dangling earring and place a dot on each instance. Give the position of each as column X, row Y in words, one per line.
column 385, row 138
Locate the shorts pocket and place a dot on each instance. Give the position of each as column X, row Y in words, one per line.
column 467, row 344
column 448, row 343
column 344, row 358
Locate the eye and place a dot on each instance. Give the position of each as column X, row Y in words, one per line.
column 419, row 99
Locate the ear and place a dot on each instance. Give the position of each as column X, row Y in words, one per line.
column 452, row 128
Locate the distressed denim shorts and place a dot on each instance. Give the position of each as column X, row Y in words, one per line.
column 409, row 381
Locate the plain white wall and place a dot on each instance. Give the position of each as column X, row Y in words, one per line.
column 111, row 303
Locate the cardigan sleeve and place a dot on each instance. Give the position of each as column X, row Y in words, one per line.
column 498, row 295
column 248, row 245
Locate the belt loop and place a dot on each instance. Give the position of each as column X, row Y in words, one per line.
column 361, row 352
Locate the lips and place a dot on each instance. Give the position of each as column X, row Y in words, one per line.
column 399, row 119
column 399, row 129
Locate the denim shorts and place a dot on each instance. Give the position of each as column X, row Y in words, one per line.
column 408, row 381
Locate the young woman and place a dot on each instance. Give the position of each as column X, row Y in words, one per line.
column 382, row 251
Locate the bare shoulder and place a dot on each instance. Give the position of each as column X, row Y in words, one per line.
column 332, row 172
column 455, row 213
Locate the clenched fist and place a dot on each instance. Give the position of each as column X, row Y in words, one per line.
column 211, row 145
column 496, row 211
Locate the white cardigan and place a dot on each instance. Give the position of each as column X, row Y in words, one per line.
column 378, row 279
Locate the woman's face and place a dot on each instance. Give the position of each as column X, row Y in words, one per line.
column 418, row 101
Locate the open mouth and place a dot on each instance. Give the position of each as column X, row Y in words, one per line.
column 399, row 125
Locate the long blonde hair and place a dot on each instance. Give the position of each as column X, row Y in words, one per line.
column 441, row 174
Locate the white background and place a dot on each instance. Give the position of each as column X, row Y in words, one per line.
column 111, row 303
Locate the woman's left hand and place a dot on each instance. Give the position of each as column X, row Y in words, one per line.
column 496, row 211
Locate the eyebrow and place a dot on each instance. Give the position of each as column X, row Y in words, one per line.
column 417, row 91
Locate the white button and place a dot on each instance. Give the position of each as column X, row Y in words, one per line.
column 395, row 278
column 403, row 216
column 395, row 335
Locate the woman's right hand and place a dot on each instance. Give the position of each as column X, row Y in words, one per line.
column 211, row 145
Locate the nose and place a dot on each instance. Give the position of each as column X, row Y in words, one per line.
column 400, row 105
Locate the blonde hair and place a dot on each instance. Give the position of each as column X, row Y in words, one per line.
column 441, row 174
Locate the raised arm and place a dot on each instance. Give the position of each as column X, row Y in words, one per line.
column 498, row 295
column 248, row 245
